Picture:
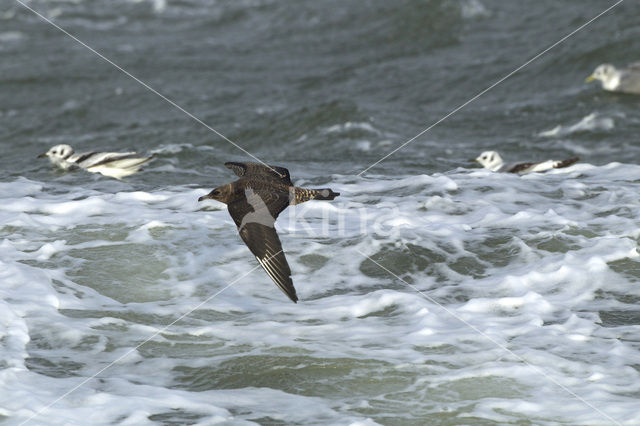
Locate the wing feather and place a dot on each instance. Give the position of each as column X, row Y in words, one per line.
column 109, row 159
column 519, row 168
column 257, row 169
column 265, row 245
column 255, row 224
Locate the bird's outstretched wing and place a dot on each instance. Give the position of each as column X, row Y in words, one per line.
column 256, row 228
column 257, row 170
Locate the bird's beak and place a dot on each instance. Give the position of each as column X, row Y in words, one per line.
column 43, row 155
column 207, row 197
column 590, row 79
column 210, row 196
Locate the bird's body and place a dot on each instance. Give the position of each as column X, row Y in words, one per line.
column 625, row 80
column 254, row 202
column 112, row 164
column 493, row 161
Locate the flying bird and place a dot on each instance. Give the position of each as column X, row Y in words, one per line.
column 254, row 202
column 492, row 161
column 626, row 80
column 112, row 164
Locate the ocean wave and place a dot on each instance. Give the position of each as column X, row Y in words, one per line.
column 590, row 123
column 390, row 276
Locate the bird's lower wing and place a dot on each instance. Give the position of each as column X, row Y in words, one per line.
column 265, row 245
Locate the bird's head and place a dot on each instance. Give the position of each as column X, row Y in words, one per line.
column 221, row 193
column 604, row 73
column 490, row 160
column 58, row 153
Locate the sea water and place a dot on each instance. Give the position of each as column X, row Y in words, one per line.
column 431, row 291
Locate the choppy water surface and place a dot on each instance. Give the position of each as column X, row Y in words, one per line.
column 432, row 292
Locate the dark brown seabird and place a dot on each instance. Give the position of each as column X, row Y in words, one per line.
column 254, row 202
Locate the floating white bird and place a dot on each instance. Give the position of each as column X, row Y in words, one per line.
column 112, row 164
column 625, row 80
column 492, row 161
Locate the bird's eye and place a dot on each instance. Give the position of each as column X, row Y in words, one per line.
column 216, row 192
column 53, row 152
column 484, row 157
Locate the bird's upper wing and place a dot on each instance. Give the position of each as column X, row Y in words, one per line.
column 262, row 239
column 79, row 158
column 94, row 159
column 257, row 169
column 519, row 167
column 275, row 201
column 630, row 80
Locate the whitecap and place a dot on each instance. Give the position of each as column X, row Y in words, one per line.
column 11, row 36
column 590, row 123
column 474, row 9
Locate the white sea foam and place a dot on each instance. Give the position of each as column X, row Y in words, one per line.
column 524, row 296
column 172, row 148
column 590, row 123
column 11, row 37
column 473, row 9
column 351, row 126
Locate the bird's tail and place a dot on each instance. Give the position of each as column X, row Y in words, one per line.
column 566, row 163
column 302, row 194
column 324, row 194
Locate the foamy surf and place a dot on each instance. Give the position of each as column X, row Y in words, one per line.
column 487, row 296
column 593, row 122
